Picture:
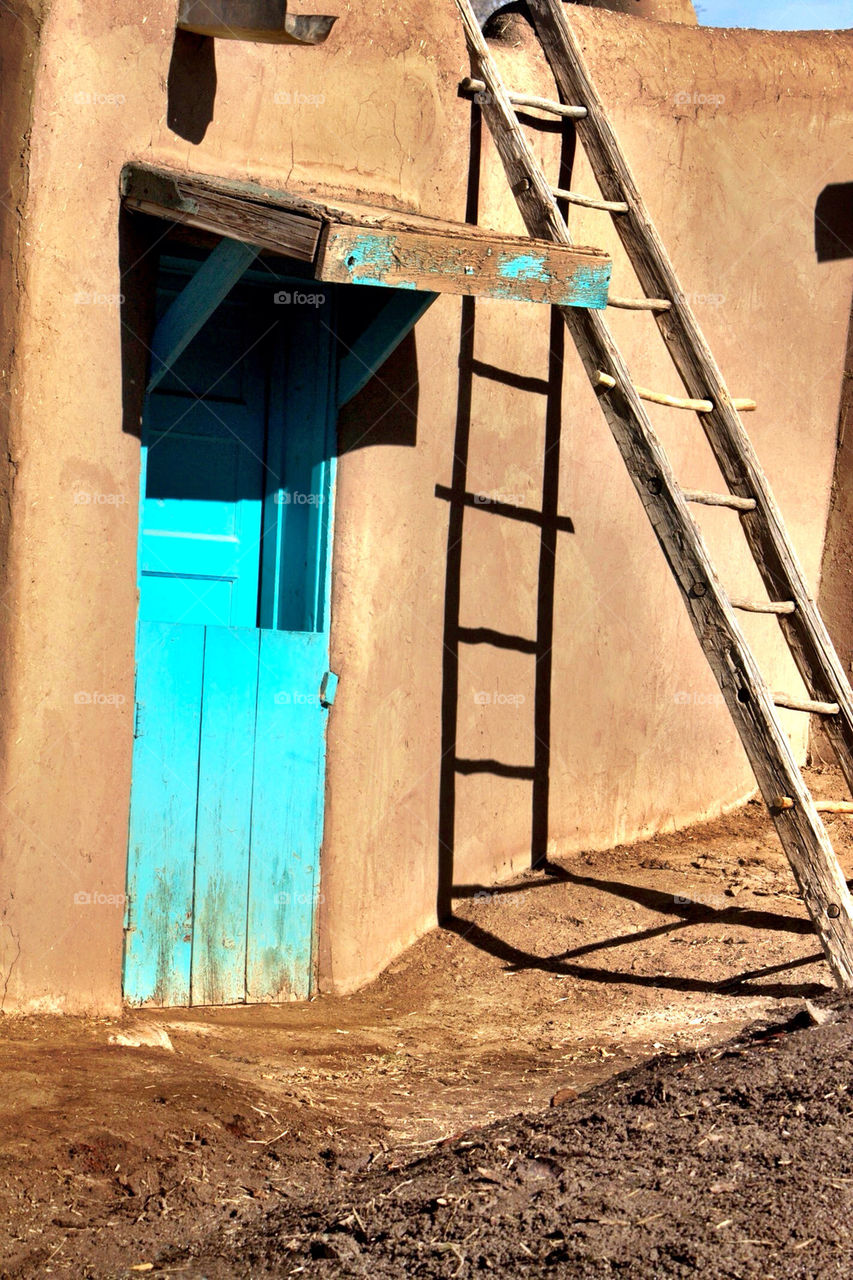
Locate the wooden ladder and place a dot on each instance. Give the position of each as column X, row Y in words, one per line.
column 752, row 705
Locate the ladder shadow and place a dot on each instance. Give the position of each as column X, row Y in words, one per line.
column 688, row 913
column 518, row 960
column 549, row 523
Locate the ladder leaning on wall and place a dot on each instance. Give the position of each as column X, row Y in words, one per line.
column 712, row 610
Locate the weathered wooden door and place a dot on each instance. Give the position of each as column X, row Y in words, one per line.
column 232, row 654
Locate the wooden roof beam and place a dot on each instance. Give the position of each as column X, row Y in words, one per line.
column 362, row 244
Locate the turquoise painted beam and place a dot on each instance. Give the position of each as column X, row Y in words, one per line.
column 466, row 260
column 374, row 344
column 195, row 304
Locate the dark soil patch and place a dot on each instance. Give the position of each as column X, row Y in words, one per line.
column 737, row 1162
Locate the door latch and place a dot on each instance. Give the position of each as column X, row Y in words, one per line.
column 328, row 689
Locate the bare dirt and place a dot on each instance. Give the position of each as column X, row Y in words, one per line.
column 242, row 1151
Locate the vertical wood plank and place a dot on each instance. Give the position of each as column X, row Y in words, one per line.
column 163, row 814
column 287, row 814
column 224, row 815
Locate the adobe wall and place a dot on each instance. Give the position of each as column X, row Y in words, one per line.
column 19, row 35
column 374, row 115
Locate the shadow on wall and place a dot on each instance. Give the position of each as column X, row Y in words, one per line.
column 833, row 234
column 833, row 222
column 385, row 411
column 191, row 85
column 548, row 397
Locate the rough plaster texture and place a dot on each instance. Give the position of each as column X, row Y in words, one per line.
column 19, row 34
column 732, row 163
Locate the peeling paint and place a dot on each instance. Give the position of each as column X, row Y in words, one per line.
column 524, row 266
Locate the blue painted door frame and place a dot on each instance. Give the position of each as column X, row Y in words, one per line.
column 232, row 659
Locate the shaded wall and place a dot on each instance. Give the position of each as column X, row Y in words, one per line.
column 374, row 115
column 836, row 584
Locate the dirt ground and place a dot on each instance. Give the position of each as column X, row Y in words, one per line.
column 240, row 1147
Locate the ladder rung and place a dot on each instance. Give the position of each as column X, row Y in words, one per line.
column 498, row 639
column 639, row 304
column 719, row 500
column 764, row 606
column 529, row 100
column 822, row 806
column 806, row 704
column 674, row 402
column 590, row 202
column 496, row 767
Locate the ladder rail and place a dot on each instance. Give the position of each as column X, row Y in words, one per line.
column 744, row 689
column 764, row 529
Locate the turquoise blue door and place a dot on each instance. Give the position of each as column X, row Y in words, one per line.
column 232, row 660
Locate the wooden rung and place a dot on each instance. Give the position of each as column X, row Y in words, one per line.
column 806, row 704
column 719, row 500
column 529, row 100
column 822, row 806
column 590, row 202
column 639, row 304
column 764, row 606
column 656, row 397
column 674, row 402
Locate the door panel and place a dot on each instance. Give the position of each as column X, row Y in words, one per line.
column 283, row 871
column 161, row 850
column 199, row 552
column 226, row 762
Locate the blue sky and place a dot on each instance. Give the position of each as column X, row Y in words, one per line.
column 776, row 15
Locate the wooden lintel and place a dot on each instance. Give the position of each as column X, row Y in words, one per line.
column 487, row 264
column 224, row 209
column 363, row 244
